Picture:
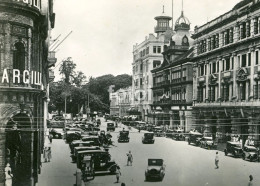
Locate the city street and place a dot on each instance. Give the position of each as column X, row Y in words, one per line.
column 185, row 164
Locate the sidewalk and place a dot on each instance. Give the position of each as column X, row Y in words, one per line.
column 60, row 170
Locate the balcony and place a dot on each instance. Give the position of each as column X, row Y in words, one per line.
column 170, row 102
column 51, row 75
column 161, row 29
column 51, row 59
column 254, row 103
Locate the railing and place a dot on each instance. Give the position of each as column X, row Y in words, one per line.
column 161, row 29
column 229, row 104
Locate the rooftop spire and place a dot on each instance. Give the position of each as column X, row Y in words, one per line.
column 182, row 6
column 163, row 9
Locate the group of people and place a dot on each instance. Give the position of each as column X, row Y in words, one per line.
column 47, row 154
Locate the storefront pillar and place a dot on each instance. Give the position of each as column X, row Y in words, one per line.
column 2, row 156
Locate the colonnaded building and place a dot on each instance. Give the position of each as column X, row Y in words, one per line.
column 226, row 77
column 24, row 39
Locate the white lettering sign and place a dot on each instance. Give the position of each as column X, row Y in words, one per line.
column 16, row 76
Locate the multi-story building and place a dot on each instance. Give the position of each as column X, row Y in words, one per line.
column 226, row 73
column 120, row 102
column 24, row 41
column 148, row 55
column 172, row 80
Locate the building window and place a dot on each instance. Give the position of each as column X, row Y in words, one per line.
column 248, row 29
column 256, row 57
column 141, row 67
column 256, row 26
column 242, row 91
column 19, row 56
column 154, row 49
column 249, row 59
column 227, row 63
column 232, row 63
column 231, row 35
column 255, row 91
column 156, row 63
column 159, row 49
column 226, row 92
column 141, row 81
column 243, row 61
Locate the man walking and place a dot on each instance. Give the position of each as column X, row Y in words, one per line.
column 118, row 173
column 129, row 158
column 250, row 183
column 216, row 160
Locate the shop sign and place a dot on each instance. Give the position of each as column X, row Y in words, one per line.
column 26, row 77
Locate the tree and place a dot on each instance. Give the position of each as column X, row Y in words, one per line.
column 79, row 78
column 67, row 69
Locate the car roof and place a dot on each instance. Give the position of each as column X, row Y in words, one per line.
column 92, row 151
column 148, row 133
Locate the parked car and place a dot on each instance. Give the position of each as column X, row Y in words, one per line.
column 250, row 153
column 123, row 136
column 194, row 137
column 56, row 133
column 208, row 143
column 178, row 134
column 110, row 126
column 234, row 148
column 158, row 131
column 169, row 133
column 155, row 169
column 94, row 139
column 148, row 137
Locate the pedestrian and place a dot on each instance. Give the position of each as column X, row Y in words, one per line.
column 250, row 183
column 8, row 175
column 45, row 154
column 216, row 160
column 129, row 158
column 49, row 154
column 50, row 138
column 118, row 173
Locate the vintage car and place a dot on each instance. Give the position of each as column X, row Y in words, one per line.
column 82, row 148
column 155, row 169
column 148, row 137
column 71, row 136
column 101, row 160
column 95, row 140
column 194, row 137
column 234, row 148
column 250, row 153
column 178, row 134
column 111, row 126
column 208, row 143
column 169, row 133
column 57, row 133
column 79, row 143
column 158, row 131
column 123, row 136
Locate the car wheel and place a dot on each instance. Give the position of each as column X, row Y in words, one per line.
column 225, row 151
column 243, row 157
column 251, row 159
column 146, row 178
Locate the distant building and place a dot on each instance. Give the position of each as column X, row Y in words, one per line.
column 227, row 74
column 120, row 102
column 24, row 71
column 146, row 56
column 172, row 80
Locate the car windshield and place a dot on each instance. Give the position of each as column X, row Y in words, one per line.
column 155, row 162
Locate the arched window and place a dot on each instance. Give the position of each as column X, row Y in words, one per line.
column 19, row 56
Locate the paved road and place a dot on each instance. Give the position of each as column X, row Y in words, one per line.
column 186, row 165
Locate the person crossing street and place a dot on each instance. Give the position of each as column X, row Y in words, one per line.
column 129, row 158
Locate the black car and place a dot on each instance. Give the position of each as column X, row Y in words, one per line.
column 148, row 137
column 194, row 137
column 123, row 136
column 178, row 135
column 57, row 134
column 111, row 126
column 155, row 169
column 234, row 148
column 250, row 153
column 98, row 122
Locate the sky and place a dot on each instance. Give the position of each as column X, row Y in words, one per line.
column 104, row 31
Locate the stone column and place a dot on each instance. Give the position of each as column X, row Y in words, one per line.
column 219, row 77
column 207, row 80
column 235, row 91
column 2, row 156
column 252, row 82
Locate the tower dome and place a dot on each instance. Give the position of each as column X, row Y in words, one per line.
column 182, row 23
column 162, row 23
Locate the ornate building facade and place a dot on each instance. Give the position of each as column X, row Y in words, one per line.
column 226, row 74
column 172, row 80
column 146, row 56
column 24, row 75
